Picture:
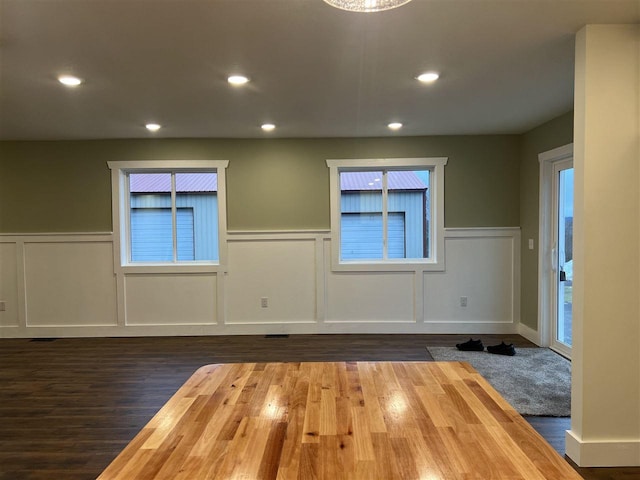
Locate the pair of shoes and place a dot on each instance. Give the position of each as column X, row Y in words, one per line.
column 502, row 349
column 476, row 346
column 471, row 346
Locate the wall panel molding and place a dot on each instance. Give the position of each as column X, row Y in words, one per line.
column 292, row 269
column 69, row 283
column 9, row 284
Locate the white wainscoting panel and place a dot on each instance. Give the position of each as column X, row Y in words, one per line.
column 483, row 269
column 70, row 284
column 370, row 297
column 9, row 284
column 170, row 299
column 282, row 270
column 65, row 285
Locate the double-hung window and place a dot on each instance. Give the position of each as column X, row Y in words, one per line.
column 169, row 213
column 387, row 213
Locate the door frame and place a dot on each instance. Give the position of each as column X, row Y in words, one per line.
column 546, row 274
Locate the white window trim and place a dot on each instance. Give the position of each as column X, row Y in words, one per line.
column 120, row 212
column 436, row 262
column 546, row 276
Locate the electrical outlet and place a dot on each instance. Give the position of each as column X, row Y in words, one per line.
column 463, row 301
column 3, row 306
column 264, row 302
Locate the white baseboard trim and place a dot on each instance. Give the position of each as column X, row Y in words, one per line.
column 249, row 328
column 529, row 333
column 610, row 453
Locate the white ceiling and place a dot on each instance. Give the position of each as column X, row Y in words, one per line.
column 506, row 66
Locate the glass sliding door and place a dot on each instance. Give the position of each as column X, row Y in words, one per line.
column 562, row 261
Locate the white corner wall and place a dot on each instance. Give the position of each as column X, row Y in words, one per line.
column 605, row 403
column 70, row 285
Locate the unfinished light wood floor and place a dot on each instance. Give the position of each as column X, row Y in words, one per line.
column 335, row 420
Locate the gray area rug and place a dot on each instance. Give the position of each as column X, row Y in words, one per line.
column 536, row 381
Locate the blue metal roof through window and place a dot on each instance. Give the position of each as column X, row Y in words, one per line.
column 196, row 204
column 362, row 198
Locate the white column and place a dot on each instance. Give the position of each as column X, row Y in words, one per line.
column 605, row 424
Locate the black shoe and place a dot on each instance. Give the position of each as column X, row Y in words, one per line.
column 471, row 346
column 502, row 349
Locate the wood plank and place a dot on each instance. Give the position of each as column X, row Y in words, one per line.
column 279, row 420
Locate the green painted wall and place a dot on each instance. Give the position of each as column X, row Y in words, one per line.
column 54, row 187
column 550, row 135
column 274, row 184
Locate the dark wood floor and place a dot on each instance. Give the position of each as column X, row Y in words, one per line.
column 69, row 406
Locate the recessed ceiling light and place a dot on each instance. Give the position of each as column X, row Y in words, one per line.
column 237, row 79
column 395, row 125
column 152, row 127
column 267, row 127
column 428, row 77
column 69, row 80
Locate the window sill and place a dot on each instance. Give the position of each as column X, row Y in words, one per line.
column 172, row 268
column 389, row 266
